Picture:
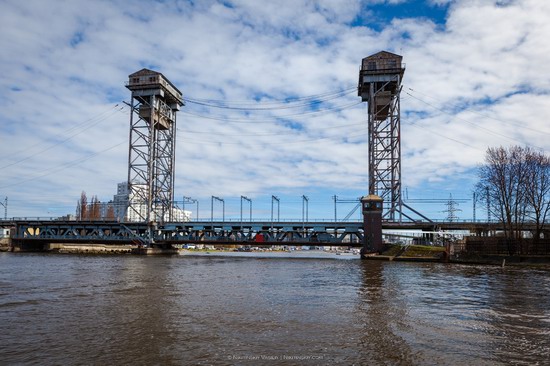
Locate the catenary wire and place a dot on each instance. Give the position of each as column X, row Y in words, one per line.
column 271, row 119
column 76, row 133
column 484, row 115
column 474, row 124
column 259, row 103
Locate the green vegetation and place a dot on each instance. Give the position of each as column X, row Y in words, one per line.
column 423, row 251
column 392, row 250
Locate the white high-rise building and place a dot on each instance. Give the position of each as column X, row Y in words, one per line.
column 122, row 201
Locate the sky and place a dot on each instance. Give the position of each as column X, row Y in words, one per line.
column 271, row 102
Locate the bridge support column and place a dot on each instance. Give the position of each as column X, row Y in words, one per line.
column 372, row 224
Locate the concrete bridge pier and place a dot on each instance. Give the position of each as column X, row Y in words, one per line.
column 157, row 249
column 372, row 206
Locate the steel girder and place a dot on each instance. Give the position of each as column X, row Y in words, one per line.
column 318, row 234
column 151, row 161
column 384, row 143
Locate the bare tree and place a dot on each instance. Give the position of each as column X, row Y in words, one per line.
column 95, row 209
column 502, row 181
column 537, row 190
column 110, row 212
column 83, row 214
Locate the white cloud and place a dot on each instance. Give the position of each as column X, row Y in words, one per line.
column 479, row 77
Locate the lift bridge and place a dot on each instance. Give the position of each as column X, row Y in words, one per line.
column 208, row 232
column 151, row 162
column 38, row 234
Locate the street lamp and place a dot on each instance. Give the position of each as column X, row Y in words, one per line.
column 250, row 202
column 305, row 209
column 273, row 199
column 212, row 208
column 191, row 200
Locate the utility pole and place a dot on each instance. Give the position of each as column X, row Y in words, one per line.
column 451, row 209
column 474, row 207
column 488, row 204
column 5, row 204
column 335, row 197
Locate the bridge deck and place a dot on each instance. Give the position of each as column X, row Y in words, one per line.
column 217, row 232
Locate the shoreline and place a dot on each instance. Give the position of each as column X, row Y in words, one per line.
column 301, row 254
column 464, row 259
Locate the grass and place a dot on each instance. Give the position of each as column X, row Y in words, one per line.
column 415, row 251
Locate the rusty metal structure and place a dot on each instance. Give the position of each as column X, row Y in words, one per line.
column 151, row 158
column 380, row 86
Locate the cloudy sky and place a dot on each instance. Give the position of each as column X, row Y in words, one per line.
column 271, row 105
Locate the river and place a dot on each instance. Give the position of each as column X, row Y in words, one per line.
column 182, row 310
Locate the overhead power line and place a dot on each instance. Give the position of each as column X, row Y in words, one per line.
column 69, row 164
column 443, row 136
column 263, row 143
column 456, row 106
column 472, row 123
column 274, row 118
column 293, row 132
column 287, row 101
column 88, row 124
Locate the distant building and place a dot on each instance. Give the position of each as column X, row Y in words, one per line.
column 139, row 209
column 120, row 201
column 121, row 211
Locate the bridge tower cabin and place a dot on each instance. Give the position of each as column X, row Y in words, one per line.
column 372, row 206
column 151, row 159
column 380, row 86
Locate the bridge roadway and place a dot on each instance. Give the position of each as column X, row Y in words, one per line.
column 319, row 233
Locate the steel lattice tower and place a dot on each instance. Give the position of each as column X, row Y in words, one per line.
column 380, row 86
column 151, row 158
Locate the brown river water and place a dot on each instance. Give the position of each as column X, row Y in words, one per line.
column 182, row 310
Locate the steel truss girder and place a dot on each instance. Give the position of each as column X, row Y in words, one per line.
column 384, row 144
column 317, row 234
column 151, row 161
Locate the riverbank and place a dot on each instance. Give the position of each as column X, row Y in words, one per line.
column 314, row 254
column 501, row 260
column 398, row 253
column 410, row 253
column 5, row 244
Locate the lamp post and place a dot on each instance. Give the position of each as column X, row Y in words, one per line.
column 250, row 202
column 191, row 200
column 273, row 199
column 212, row 208
column 305, row 210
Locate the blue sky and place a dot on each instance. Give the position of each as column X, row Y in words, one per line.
column 377, row 15
column 477, row 76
